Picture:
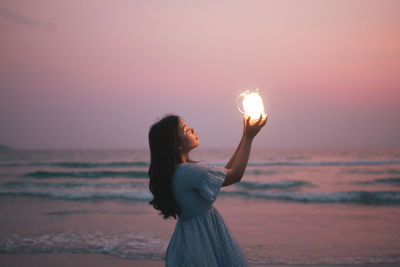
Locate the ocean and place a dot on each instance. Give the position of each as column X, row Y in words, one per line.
column 293, row 206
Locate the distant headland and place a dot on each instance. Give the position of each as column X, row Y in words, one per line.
column 4, row 147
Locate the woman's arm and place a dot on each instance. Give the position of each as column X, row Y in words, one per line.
column 229, row 164
column 237, row 164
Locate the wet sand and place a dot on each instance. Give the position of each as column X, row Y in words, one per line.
column 77, row 260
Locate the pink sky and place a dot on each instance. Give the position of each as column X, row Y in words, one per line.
column 97, row 74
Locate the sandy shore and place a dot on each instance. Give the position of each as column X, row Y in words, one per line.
column 77, row 260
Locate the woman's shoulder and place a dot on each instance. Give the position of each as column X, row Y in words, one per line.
column 196, row 168
column 199, row 165
column 187, row 167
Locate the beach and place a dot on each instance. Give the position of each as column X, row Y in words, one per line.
column 293, row 208
column 67, row 260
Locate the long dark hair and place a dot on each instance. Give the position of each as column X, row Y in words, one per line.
column 163, row 142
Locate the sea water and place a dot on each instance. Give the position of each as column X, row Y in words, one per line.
column 293, row 206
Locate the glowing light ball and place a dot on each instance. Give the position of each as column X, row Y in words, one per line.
column 252, row 105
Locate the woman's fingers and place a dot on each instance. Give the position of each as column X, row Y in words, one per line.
column 259, row 123
column 248, row 121
column 265, row 120
column 259, row 120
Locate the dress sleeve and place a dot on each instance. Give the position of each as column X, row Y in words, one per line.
column 207, row 180
column 211, row 183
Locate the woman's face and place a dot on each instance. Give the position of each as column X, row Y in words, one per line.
column 187, row 136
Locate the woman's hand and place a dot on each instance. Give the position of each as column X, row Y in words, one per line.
column 237, row 164
column 251, row 130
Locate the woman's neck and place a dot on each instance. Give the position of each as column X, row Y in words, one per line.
column 184, row 157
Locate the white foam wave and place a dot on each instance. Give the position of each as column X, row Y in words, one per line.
column 120, row 244
column 362, row 197
column 82, row 195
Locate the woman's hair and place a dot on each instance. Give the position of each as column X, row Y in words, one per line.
column 163, row 142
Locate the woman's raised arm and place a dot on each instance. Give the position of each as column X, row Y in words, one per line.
column 230, row 162
column 237, row 164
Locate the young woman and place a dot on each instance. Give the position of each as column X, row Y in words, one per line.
column 185, row 189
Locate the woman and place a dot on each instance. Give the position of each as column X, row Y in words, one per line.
column 185, row 189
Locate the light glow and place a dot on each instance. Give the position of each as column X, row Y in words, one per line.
column 252, row 105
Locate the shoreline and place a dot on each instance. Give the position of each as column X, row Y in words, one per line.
column 99, row 260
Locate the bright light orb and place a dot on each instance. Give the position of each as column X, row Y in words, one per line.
column 252, row 105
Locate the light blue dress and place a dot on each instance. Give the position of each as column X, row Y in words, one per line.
column 201, row 237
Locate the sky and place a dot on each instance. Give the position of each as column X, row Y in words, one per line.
column 97, row 73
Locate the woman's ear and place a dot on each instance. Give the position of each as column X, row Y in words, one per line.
column 180, row 148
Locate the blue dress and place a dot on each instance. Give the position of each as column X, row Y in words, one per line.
column 201, row 237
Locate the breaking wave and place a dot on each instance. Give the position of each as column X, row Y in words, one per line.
column 326, row 163
column 285, row 184
column 78, row 164
column 391, row 181
column 123, row 245
column 120, row 164
column 66, row 185
column 87, row 174
column 360, row 197
column 83, row 195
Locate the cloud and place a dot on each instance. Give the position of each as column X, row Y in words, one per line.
column 22, row 20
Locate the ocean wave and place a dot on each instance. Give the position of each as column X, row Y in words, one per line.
column 261, row 172
column 326, row 163
column 314, row 163
column 143, row 246
column 374, row 172
column 122, row 164
column 360, row 197
column 284, row 184
column 27, row 185
column 391, row 181
column 101, row 164
column 79, row 164
column 87, row 174
column 79, row 196
column 120, row 244
column 70, row 212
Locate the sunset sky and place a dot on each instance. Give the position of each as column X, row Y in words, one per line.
column 97, row 74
